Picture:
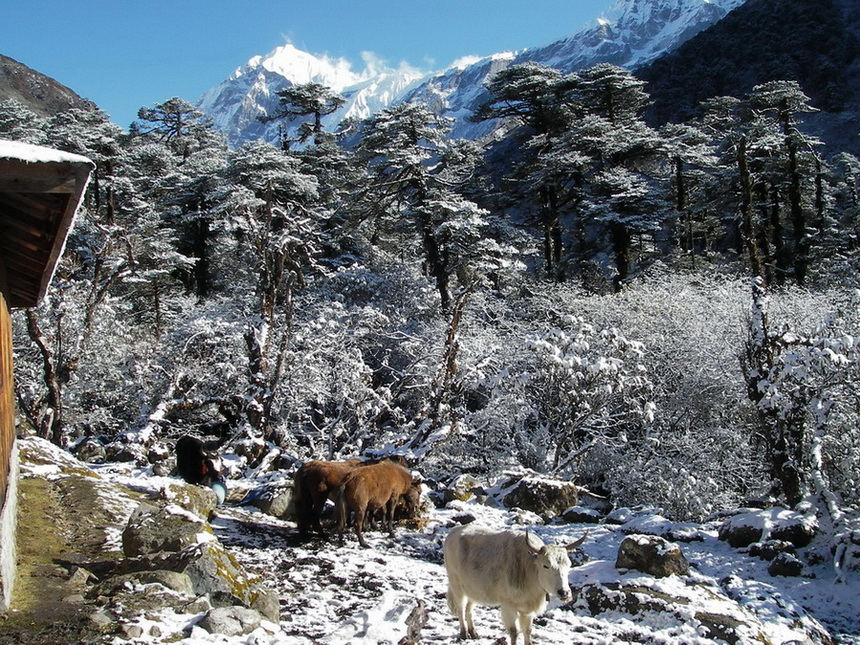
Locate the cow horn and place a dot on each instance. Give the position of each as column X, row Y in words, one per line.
column 578, row 543
column 530, row 542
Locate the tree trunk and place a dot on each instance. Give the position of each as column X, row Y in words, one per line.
column 51, row 415
column 748, row 228
column 798, row 219
column 435, row 263
column 621, row 242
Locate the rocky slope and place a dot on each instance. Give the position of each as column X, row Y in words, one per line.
column 41, row 94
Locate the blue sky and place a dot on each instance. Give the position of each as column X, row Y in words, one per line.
column 124, row 55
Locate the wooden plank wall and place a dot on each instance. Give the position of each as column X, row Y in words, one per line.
column 7, row 399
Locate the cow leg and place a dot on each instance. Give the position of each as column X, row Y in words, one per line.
column 470, row 625
column 526, row 625
column 389, row 511
column 317, row 508
column 461, row 607
column 359, row 525
column 509, row 618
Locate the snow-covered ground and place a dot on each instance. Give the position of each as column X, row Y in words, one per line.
column 332, row 594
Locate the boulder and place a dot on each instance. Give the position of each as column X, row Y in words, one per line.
column 581, row 515
column 158, row 452
column 152, row 529
column 275, row 499
column 749, row 526
column 652, row 555
column 231, row 621
column 126, row 452
column 90, row 451
column 462, row 488
column 199, row 500
column 769, row 549
column 785, row 564
column 546, row 497
column 725, row 622
column 178, row 582
column 214, row 571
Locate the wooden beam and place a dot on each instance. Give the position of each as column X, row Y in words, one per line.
column 18, row 177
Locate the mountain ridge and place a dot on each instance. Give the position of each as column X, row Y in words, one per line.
column 40, row 93
column 629, row 33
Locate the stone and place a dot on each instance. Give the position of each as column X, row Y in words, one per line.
column 130, row 632
column 90, row 451
column 172, row 580
column 725, row 621
column 749, row 526
column 199, row 500
column 152, row 529
column 786, row 565
column 125, row 452
column 276, row 500
column 769, row 549
column 581, row 515
column 231, row 621
column 651, row 554
column 214, row 571
column 158, row 452
column 463, row 488
column 100, row 620
column 546, row 497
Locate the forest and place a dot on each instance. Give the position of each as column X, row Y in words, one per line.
column 662, row 315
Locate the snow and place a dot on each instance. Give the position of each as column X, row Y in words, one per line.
column 29, row 153
column 338, row 595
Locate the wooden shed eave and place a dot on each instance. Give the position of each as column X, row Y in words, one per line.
column 40, row 191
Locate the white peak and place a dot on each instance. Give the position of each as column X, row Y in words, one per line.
column 300, row 67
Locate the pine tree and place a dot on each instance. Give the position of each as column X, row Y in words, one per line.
column 412, row 175
column 271, row 204
column 311, row 99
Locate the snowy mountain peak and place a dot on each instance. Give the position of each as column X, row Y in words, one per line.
column 631, row 33
column 300, row 67
column 252, row 90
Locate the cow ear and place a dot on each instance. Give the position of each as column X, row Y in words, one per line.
column 578, row 543
column 533, row 542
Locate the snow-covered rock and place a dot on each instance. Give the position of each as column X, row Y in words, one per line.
column 652, row 555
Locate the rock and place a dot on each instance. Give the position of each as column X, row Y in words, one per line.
column 785, row 564
column 130, row 632
column 726, row 621
column 463, row 488
column 197, row 606
column 200, row 500
column 158, row 452
column 152, row 529
column 581, row 515
column 231, row 621
column 652, row 555
column 216, row 572
column 546, row 497
column 277, row 500
column 464, row 518
column 745, row 528
column 769, row 549
column 178, row 582
column 100, row 620
column 90, row 451
column 125, row 452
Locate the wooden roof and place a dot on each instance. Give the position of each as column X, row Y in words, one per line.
column 40, row 190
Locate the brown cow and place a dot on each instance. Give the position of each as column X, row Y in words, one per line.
column 373, row 487
column 314, row 483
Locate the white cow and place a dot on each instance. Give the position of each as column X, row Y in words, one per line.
column 513, row 570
